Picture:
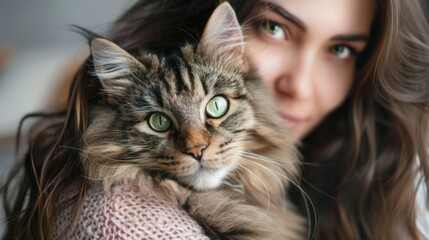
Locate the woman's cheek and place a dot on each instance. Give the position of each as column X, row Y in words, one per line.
column 334, row 88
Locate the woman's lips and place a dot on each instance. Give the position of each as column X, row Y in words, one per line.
column 292, row 121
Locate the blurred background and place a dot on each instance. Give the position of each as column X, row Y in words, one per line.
column 37, row 53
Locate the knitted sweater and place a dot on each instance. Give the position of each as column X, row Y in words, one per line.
column 128, row 213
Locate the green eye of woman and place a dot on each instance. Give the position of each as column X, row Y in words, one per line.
column 159, row 122
column 217, row 107
column 341, row 51
column 273, row 29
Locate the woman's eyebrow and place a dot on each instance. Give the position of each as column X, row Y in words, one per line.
column 285, row 14
column 351, row 37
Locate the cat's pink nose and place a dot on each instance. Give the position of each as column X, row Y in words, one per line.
column 197, row 151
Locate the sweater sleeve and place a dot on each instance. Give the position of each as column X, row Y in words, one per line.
column 127, row 214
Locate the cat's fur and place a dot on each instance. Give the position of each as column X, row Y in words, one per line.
column 247, row 148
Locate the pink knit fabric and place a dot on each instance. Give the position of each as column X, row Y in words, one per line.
column 127, row 214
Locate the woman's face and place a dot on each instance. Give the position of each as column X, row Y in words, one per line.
column 305, row 51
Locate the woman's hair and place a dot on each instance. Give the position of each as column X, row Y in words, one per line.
column 371, row 153
column 360, row 165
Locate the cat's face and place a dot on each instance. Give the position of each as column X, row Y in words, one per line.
column 184, row 119
column 185, row 116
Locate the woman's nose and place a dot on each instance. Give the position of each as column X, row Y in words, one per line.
column 297, row 81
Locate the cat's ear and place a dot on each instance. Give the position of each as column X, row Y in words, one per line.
column 223, row 39
column 114, row 67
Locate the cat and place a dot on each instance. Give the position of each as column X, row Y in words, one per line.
column 200, row 125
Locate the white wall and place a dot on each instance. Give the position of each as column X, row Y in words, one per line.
column 35, row 32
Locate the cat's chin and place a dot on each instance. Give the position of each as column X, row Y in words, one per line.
column 205, row 179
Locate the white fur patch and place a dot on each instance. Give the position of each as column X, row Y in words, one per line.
column 206, row 179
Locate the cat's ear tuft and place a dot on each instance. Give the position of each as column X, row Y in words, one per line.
column 114, row 67
column 222, row 37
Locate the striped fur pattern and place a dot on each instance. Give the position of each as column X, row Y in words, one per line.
column 237, row 189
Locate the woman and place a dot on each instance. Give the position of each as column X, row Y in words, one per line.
column 351, row 82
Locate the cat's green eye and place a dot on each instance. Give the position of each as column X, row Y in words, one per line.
column 159, row 122
column 217, row 107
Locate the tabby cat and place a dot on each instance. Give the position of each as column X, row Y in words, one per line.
column 199, row 124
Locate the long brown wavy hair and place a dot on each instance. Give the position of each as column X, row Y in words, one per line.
column 361, row 164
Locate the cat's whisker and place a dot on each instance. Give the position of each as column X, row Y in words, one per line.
column 306, row 198
column 269, row 170
column 272, row 172
column 271, row 160
column 280, row 163
column 267, row 193
column 296, row 184
column 236, row 172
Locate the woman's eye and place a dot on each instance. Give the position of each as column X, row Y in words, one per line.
column 341, row 51
column 274, row 29
column 159, row 122
column 217, row 107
